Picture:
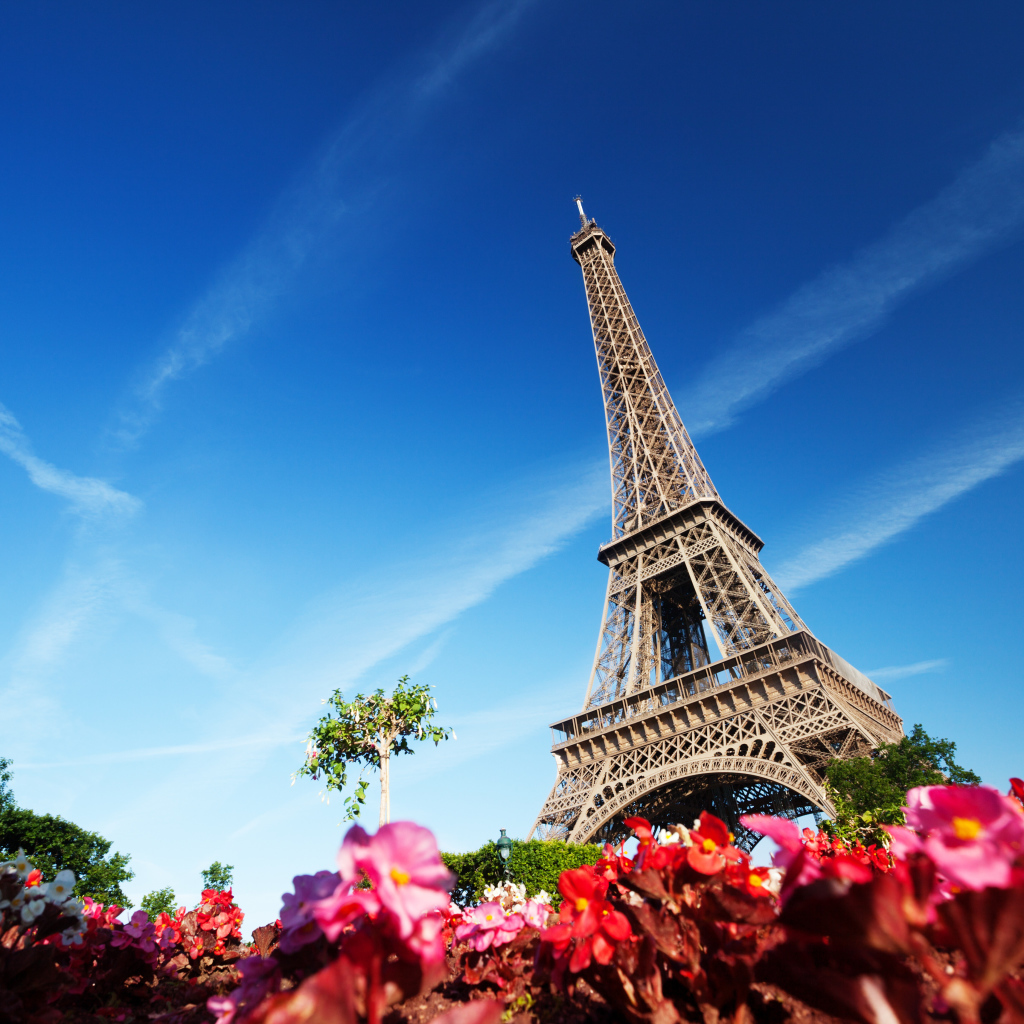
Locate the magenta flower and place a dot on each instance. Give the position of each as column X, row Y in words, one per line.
column 404, row 867
column 973, row 834
column 488, row 925
column 345, row 905
column 903, row 841
column 536, row 914
column 427, row 938
column 259, row 978
column 791, row 853
column 298, row 924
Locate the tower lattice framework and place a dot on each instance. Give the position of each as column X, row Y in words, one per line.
column 666, row 731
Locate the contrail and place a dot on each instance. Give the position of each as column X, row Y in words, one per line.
column 900, row 499
column 310, row 212
column 981, row 209
column 89, row 497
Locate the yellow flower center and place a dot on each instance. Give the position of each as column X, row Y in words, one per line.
column 581, row 904
column 966, row 828
column 489, row 917
column 755, row 880
column 399, row 877
column 708, row 846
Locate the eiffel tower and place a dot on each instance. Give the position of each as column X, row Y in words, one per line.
column 665, row 731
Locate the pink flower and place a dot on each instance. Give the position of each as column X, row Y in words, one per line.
column 298, row 924
column 345, row 905
column 792, row 857
column 488, row 925
column 403, row 865
column 536, row 914
column 784, row 832
column 904, row 842
column 427, row 938
column 973, row 833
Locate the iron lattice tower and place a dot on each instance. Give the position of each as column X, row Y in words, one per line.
column 665, row 731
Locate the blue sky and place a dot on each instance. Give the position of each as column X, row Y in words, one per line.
column 299, row 390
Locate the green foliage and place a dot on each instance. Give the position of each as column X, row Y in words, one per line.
column 366, row 731
column 53, row 844
column 160, row 901
column 535, row 864
column 218, row 876
column 6, row 796
column 871, row 791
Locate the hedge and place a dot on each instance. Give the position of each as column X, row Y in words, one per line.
column 535, row 864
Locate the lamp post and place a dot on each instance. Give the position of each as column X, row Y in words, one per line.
column 504, row 851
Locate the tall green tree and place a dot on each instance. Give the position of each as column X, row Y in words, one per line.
column 54, row 843
column 871, row 791
column 160, row 901
column 6, row 796
column 218, row 876
column 368, row 731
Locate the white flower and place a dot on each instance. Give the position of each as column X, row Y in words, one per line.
column 675, row 834
column 71, row 937
column 543, row 897
column 72, row 908
column 21, row 864
column 61, row 887
column 31, row 910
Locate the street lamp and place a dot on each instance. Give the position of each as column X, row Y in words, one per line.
column 504, row 851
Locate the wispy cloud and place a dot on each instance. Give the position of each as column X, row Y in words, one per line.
column 88, row 496
column 264, row 740
column 981, row 209
column 311, row 209
column 903, row 671
column 346, row 633
column 901, row 498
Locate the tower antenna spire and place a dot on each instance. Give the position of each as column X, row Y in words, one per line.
column 583, row 216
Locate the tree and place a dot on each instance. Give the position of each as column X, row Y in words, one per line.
column 218, row 876
column 54, row 844
column 368, row 731
column 6, row 796
column 160, row 901
column 871, row 791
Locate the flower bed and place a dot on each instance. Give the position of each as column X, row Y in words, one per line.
column 929, row 928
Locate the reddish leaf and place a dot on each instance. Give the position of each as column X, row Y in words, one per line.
column 869, row 915
column 989, row 926
column 1011, row 994
column 265, row 938
column 478, row 1011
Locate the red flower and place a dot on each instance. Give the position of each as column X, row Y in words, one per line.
column 611, row 864
column 753, row 881
column 588, row 918
column 1017, row 790
column 712, row 846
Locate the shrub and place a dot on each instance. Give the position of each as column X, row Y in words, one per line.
column 536, row 864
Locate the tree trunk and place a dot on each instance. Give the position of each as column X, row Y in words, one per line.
column 385, row 788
